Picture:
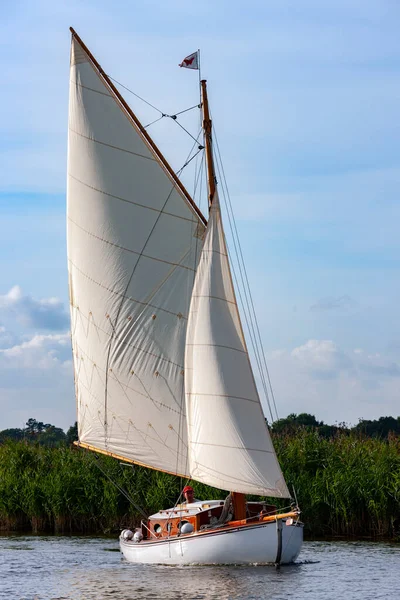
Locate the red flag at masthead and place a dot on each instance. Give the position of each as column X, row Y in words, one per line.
column 191, row 61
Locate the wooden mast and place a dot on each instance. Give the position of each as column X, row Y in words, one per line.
column 207, row 127
column 238, row 499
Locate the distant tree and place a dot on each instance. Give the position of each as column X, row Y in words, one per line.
column 51, row 436
column 329, row 431
column 293, row 422
column 31, row 427
column 44, row 433
column 308, row 420
column 72, row 433
column 378, row 428
column 11, row 434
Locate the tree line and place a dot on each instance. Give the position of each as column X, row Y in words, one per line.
column 378, row 428
column 41, row 433
column 50, row 435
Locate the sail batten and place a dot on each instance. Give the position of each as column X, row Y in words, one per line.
column 134, row 238
column 229, row 443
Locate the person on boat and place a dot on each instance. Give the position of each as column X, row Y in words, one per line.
column 188, row 494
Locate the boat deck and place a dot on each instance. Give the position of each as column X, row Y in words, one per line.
column 203, row 517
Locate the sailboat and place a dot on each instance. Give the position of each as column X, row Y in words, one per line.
column 162, row 373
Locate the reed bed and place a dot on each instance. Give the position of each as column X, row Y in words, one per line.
column 346, row 486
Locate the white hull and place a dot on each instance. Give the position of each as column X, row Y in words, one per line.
column 258, row 543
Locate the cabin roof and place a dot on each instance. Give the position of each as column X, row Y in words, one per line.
column 184, row 509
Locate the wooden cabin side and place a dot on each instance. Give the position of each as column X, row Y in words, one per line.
column 168, row 523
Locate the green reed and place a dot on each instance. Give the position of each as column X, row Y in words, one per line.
column 346, row 486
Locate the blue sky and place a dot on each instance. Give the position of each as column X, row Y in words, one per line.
column 305, row 99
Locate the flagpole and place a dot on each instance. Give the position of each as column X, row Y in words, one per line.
column 198, row 62
column 200, row 93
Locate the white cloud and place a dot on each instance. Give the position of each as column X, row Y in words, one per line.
column 322, row 358
column 36, row 380
column 36, row 375
column 334, row 384
column 42, row 352
column 46, row 313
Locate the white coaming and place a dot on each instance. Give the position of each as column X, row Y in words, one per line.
column 243, row 545
column 187, row 509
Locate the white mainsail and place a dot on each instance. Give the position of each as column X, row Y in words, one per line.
column 133, row 247
column 229, row 443
column 134, row 242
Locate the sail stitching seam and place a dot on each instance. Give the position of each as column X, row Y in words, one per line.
column 131, row 201
column 213, row 251
column 112, row 337
column 130, row 460
column 222, row 396
column 97, row 237
column 228, row 479
column 123, row 295
column 233, row 447
column 147, row 392
column 144, row 434
column 128, row 113
column 135, row 347
column 215, row 298
column 111, row 146
column 219, row 346
column 91, row 89
column 158, row 157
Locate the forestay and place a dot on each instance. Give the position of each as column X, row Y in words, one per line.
column 229, row 442
column 133, row 243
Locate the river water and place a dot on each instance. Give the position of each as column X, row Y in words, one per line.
column 78, row 568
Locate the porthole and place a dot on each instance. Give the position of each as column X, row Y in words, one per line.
column 157, row 528
column 182, row 523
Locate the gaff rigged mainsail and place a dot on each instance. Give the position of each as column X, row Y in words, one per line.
column 133, row 244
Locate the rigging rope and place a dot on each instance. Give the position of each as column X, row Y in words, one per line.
column 242, row 282
column 137, row 95
column 187, row 109
column 152, row 122
column 163, row 114
column 248, row 305
column 97, row 462
column 184, row 129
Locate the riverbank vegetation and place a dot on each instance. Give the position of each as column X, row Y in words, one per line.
column 347, row 483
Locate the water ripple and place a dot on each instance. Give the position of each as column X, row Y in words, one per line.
column 73, row 568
